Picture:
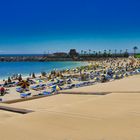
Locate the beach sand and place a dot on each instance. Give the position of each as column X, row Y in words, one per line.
column 115, row 116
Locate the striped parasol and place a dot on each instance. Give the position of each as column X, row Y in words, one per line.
column 24, row 84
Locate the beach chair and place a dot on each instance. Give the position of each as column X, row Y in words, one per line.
column 77, row 85
column 45, row 93
column 19, row 89
column 24, row 95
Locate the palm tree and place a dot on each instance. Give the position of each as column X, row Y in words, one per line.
column 109, row 52
column 120, row 52
column 89, row 51
column 135, row 48
column 93, row 52
column 45, row 54
column 96, row 54
column 85, row 52
column 104, row 53
column 82, row 51
column 126, row 53
column 115, row 51
column 99, row 53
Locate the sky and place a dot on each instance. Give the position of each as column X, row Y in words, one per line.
column 38, row 26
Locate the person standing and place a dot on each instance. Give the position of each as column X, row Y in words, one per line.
column 2, row 90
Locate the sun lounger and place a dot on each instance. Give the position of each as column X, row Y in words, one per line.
column 39, row 87
column 70, row 86
column 24, row 95
column 44, row 93
column 19, row 89
column 77, row 85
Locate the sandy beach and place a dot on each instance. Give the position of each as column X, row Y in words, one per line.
column 114, row 116
column 70, row 70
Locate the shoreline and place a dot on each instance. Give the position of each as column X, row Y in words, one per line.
column 26, row 75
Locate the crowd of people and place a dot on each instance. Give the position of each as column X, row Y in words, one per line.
column 102, row 70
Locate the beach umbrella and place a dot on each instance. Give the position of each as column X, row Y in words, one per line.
column 56, row 80
column 138, row 70
column 69, row 81
column 103, row 78
column 39, row 81
column 51, row 80
column 120, row 76
column 125, row 75
column 58, row 88
column 24, row 84
column 96, row 79
column 114, row 76
column 67, row 70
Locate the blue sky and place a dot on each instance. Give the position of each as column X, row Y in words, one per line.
column 58, row 25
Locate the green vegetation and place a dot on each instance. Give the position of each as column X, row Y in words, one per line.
column 104, row 54
column 137, row 55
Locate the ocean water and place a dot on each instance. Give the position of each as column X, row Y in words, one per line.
column 25, row 68
column 12, row 55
